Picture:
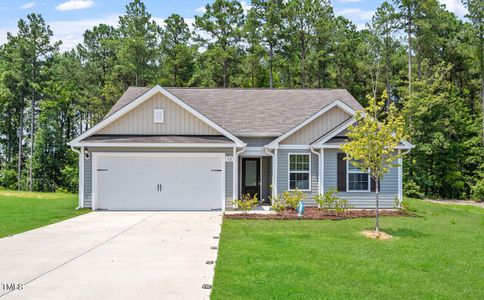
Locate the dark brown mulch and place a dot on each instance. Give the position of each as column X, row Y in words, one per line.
column 313, row 213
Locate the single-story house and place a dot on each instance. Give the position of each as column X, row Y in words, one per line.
column 199, row 148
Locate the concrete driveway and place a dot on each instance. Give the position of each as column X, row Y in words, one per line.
column 113, row 255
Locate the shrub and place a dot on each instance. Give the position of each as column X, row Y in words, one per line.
column 277, row 204
column 329, row 201
column 8, row 178
column 247, row 203
column 477, row 191
column 412, row 190
column 291, row 199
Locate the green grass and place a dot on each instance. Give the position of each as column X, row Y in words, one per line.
column 438, row 255
column 22, row 211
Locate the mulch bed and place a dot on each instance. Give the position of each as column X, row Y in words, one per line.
column 313, row 213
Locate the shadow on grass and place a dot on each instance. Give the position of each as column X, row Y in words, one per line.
column 405, row 232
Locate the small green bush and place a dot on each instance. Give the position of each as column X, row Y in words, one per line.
column 8, row 178
column 329, row 201
column 247, row 203
column 477, row 191
column 291, row 199
column 277, row 203
column 412, row 190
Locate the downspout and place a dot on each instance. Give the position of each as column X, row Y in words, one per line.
column 319, row 169
column 81, row 175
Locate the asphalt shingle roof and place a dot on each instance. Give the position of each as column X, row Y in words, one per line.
column 243, row 111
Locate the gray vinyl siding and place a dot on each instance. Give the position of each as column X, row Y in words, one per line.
column 283, row 173
column 257, row 141
column 266, row 180
column 228, row 167
column 389, row 185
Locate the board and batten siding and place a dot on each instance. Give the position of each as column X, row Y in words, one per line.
column 228, row 167
column 283, row 172
column 389, row 185
column 318, row 127
column 177, row 120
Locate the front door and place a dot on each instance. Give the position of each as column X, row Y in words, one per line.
column 251, row 176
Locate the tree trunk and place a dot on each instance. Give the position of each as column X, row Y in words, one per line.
column 20, row 139
column 409, row 36
column 225, row 73
column 377, row 194
column 271, row 57
column 387, row 77
column 32, row 131
column 303, row 61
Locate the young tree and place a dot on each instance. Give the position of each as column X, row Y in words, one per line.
column 372, row 142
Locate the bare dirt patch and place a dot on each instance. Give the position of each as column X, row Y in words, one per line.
column 372, row 234
column 458, row 202
column 313, row 213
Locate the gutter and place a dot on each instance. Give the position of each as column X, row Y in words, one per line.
column 319, row 169
column 80, row 183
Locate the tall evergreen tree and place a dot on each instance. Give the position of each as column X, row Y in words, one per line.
column 222, row 21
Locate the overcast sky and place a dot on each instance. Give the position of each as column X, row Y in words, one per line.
column 69, row 19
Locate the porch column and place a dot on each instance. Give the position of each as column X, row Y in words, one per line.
column 400, row 178
column 274, row 173
column 234, row 176
column 81, row 177
column 321, row 180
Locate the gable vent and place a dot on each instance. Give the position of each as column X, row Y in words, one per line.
column 159, row 115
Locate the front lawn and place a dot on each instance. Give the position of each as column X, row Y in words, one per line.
column 438, row 255
column 22, row 211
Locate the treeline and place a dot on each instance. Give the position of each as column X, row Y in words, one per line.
column 429, row 61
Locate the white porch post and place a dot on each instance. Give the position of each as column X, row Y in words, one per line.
column 81, row 178
column 234, row 176
column 322, row 171
column 274, row 174
column 400, row 179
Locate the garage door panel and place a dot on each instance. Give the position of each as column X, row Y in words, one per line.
column 187, row 182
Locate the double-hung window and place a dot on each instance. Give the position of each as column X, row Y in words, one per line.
column 299, row 170
column 358, row 181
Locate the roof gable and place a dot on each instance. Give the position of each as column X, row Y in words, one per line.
column 318, row 127
column 335, row 103
column 124, row 108
column 140, row 120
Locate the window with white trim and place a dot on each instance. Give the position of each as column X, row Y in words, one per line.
column 159, row 115
column 299, row 171
column 358, row 181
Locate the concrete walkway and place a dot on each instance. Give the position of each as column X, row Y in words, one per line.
column 113, row 255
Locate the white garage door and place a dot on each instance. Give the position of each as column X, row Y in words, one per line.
column 155, row 181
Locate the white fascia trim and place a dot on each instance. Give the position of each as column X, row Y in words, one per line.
column 345, row 107
column 338, row 129
column 333, row 146
column 295, row 146
column 157, row 145
column 147, row 95
column 257, row 134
